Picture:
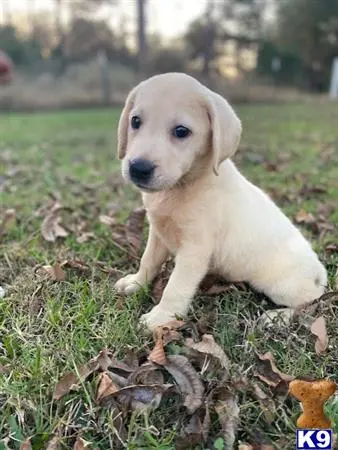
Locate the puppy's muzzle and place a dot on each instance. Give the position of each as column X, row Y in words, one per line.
column 141, row 171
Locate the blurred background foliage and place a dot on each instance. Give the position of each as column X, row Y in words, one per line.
column 91, row 51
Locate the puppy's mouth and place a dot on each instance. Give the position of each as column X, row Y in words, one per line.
column 146, row 187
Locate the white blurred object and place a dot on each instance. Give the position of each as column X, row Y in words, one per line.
column 276, row 64
column 334, row 80
column 2, row 292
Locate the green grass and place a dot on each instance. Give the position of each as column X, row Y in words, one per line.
column 46, row 328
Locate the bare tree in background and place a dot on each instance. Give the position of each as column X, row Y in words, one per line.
column 209, row 38
column 142, row 39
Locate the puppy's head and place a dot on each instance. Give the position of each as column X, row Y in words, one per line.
column 169, row 123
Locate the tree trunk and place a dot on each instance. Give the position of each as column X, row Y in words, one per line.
column 61, row 35
column 142, row 39
column 209, row 40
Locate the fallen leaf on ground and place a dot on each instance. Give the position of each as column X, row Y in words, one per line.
column 107, row 220
column 332, row 248
column 102, row 361
column 80, row 444
column 5, row 369
column 307, row 190
column 267, row 404
column 318, row 328
column 162, row 336
column 138, row 397
column 157, row 355
column 147, row 373
column 75, row 264
column 51, row 228
column 85, row 237
column 54, row 272
column 71, row 380
column 304, row 217
column 26, row 445
column 187, row 380
column 268, row 372
column 276, row 317
column 228, row 416
column 7, row 220
column 158, row 286
column 106, row 387
column 208, row 346
column 54, row 444
column 134, row 229
column 196, row 431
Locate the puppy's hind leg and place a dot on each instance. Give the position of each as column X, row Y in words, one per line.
column 155, row 254
column 295, row 291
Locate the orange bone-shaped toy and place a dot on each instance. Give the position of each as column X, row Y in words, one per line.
column 313, row 395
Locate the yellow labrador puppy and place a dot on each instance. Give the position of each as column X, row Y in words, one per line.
column 176, row 138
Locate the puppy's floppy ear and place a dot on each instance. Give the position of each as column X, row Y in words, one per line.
column 122, row 129
column 226, row 129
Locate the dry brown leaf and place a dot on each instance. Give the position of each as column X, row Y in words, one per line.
column 162, row 336
column 5, row 369
column 267, row 404
column 187, row 380
column 268, row 372
column 147, row 373
column 7, row 220
column 106, row 387
column 54, row 272
column 51, row 228
column 80, row 444
column 332, row 248
column 71, row 380
column 26, row 445
column 197, row 430
column 75, row 264
column 318, row 328
column 107, row 220
column 157, row 355
column 303, row 216
column 219, row 289
column 103, row 361
column 54, row 444
column 85, row 237
column 138, row 397
column 208, row 346
column 228, row 416
column 158, row 287
column 134, row 229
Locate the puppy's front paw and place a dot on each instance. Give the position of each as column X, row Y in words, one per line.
column 156, row 317
column 129, row 284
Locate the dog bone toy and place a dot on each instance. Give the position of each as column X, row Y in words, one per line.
column 313, row 395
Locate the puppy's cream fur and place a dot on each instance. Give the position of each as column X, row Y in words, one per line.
column 201, row 209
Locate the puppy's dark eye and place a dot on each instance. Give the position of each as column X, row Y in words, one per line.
column 181, row 132
column 135, row 122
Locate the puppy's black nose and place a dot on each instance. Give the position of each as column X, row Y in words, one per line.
column 141, row 170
